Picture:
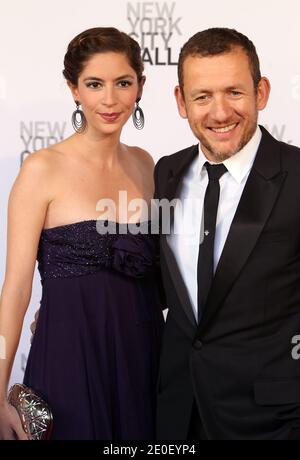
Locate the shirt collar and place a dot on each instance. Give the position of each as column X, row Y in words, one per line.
column 239, row 164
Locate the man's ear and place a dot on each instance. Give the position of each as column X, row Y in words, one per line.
column 263, row 92
column 73, row 90
column 180, row 101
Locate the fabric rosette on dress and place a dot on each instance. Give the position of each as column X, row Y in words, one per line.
column 134, row 255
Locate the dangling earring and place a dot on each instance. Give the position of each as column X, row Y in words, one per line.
column 78, row 119
column 138, row 116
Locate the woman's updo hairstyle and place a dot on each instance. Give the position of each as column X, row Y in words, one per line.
column 100, row 40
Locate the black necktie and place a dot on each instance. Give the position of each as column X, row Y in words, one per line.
column 205, row 270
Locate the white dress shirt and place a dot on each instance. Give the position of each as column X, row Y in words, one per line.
column 185, row 233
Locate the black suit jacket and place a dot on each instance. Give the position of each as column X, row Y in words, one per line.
column 237, row 363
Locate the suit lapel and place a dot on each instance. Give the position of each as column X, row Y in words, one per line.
column 176, row 173
column 259, row 196
column 177, row 170
column 179, row 285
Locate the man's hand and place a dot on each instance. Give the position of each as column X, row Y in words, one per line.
column 33, row 325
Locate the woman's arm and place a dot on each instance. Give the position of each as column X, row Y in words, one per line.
column 27, row 209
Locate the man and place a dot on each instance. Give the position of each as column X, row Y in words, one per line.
column 227, row 367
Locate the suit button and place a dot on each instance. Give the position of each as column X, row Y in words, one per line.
column 197, row 344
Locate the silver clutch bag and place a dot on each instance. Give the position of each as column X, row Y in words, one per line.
column 34, row 412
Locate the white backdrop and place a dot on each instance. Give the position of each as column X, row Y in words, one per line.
column 35, row 104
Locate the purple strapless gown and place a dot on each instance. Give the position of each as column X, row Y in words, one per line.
column 95, row 352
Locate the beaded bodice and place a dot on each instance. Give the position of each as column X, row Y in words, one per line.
column 80, row 249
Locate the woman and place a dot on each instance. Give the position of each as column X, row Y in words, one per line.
column 94, row 356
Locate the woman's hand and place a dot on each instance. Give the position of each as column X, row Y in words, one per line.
column 10, row 424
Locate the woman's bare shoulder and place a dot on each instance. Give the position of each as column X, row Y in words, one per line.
column 142, row 156
column 39, row 161
column 44, row 160
column 33, row 180
column 40, row 168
